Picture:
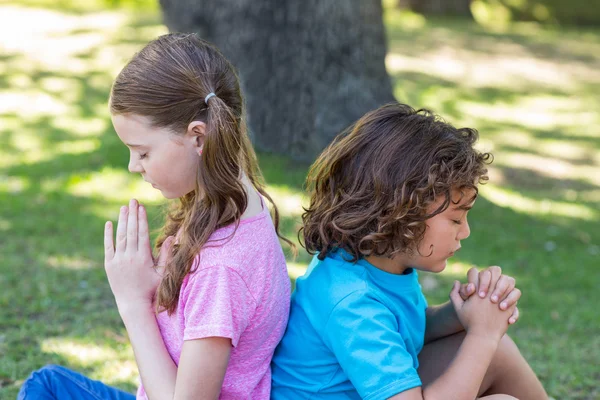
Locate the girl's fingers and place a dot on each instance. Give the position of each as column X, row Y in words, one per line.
column 143, row 235
column 504, row 286
column 511, row 299
column 109, row 247
column 122, row 230
column 132, row 226
column 514, row 317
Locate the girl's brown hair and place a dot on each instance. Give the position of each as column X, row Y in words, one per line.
column 167, row 81
column 371, row 187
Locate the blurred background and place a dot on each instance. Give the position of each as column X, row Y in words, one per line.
column 525, row 73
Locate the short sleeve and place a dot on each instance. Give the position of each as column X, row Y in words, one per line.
column 217, row 302
column 364, row 336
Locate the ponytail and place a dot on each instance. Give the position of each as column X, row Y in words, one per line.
column 175, row 80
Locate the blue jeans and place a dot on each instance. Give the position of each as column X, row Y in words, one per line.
column 53, row 382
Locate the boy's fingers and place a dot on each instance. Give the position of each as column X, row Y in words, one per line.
column 514, row 317
column 492, row 274
column 504, row 286
column 511, row 299
column 455, row 296
column 484, row 282
column 473, row 277
column 466, row 290
column 132, row 226
column 463, row 291
column 109, row 247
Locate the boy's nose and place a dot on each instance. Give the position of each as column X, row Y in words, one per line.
column 466, row 231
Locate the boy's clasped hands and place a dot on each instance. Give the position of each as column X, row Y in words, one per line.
column 487, row 304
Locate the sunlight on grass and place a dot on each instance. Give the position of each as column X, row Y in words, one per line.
column 112, row 372
column 550, row 167
column 296, row 270
column 472, row 69
column 110, row 365
column 565, row 149
column 458, row 269
column 35, row 150
column 27, row 104
column 289, row 201
column 504, row 197
column 82, row 126
column 538, row 112
column 68, row 45
column 75, row 263
column 78, row 351
column 13, row 184
column 114, row 185
column 5, row 225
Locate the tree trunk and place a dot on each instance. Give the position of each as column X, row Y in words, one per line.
column 308, row 68
column 439, row 7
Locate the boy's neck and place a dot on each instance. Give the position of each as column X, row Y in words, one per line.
column 389, row 265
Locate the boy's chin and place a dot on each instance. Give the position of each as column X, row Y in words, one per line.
column 436, row 268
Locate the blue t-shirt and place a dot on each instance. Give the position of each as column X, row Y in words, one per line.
column 354, row 332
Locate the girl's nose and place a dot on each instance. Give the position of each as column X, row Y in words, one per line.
column 134, row 166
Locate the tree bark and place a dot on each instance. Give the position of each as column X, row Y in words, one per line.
column 308, row 68
column 439, row 7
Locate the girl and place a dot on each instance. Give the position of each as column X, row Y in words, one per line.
column 388, row 197
column 203, row 321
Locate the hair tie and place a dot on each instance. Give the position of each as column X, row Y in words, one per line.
column 208, row 96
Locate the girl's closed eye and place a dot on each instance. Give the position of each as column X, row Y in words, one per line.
column 142, row 156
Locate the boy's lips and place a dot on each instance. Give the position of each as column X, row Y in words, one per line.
column 451, row 254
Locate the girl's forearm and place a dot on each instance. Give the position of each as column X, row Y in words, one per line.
column 157, row 369
column 441, row 321
column 465, row 374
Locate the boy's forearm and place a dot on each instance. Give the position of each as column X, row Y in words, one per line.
column 157, row 369
column 465, row 374
column 441, row 321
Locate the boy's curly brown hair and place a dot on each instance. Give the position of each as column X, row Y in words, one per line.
column 371, row 188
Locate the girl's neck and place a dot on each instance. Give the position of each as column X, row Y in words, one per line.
column 254, row 206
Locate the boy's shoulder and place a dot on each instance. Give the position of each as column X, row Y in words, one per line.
column 328, row 282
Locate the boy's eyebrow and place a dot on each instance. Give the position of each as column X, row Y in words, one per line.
column 464, row 207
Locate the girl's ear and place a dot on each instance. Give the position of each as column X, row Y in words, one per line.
column 196, row 134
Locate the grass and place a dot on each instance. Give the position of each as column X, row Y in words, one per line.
column 531, row 91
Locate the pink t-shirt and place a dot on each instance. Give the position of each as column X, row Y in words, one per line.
column 240, row 290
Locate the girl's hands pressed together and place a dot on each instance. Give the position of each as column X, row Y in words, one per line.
column 130, row 267
column 502, row 286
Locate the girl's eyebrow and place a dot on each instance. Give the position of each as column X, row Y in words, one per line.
column 134, row 145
